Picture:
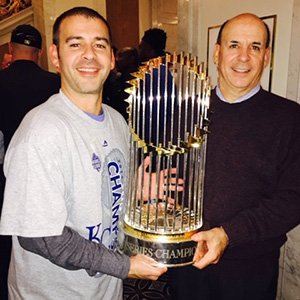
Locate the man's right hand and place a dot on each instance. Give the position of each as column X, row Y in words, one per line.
column 145, row 267
column 211, row 246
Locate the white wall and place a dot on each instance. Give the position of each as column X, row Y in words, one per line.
column 215, row 12
column 293, row 86
column 145, row 16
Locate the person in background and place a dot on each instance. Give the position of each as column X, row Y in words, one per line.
column 252, row 179
column 152, row 44
column 114, row 93
column 66, row 174
column 23, row 85
column 127, row 62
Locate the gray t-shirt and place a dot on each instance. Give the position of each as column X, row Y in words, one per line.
column 64, row 169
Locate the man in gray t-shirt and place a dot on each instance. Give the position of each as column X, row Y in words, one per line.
column 66, row 176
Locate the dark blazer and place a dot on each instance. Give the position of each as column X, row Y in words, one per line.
column 23, row 86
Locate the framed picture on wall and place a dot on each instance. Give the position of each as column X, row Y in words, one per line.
column 266, row 80
column 12, row 7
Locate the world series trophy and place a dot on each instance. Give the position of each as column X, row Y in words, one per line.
column 168, row 119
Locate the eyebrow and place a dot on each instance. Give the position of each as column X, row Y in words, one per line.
column 81, row 38
column 254, row 43
column 257, row 43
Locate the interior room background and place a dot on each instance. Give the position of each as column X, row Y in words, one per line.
column 187, row 23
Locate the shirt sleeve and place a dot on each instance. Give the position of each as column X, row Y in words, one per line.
column 73, row 252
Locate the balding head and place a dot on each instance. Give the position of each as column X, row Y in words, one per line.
column 246, row 17
column 241, row 54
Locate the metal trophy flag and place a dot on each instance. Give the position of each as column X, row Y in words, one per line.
column 168, row 119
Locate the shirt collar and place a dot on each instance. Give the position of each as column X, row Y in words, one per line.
column 240, row 99
column 99, row 118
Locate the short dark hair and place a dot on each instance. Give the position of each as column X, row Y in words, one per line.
column 219, row 37
column 77, row 11
column 156, row 38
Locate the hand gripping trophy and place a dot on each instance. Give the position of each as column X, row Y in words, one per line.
column 168, row 119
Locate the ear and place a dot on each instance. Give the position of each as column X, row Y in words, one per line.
column 113, row 60
column 267, row 57
column 216, row 54
column 54, row 57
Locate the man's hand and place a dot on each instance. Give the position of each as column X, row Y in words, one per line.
column 145, row 267
column 210, row 248
column 160, row 184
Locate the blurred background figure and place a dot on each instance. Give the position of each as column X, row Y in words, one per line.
column 128, row 59
column 153, row 44
column 127, row 62
column 24, row 85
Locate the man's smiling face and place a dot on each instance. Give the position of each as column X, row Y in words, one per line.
column 242, row 56
column 84, row 56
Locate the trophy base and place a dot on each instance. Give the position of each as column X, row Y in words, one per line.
column 172, row 250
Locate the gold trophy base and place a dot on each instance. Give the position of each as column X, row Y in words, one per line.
column 170, row 249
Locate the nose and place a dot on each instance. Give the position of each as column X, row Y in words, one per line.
column 88, row 52
column 244, row 54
